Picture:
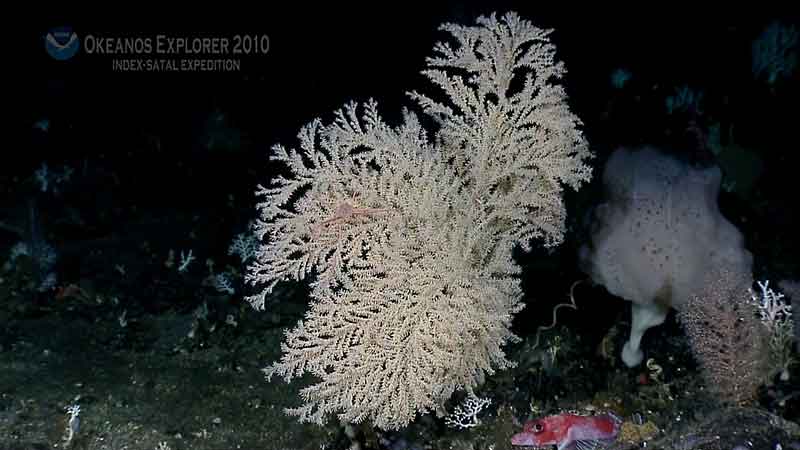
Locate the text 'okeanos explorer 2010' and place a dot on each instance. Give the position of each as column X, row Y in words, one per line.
column 164, row 44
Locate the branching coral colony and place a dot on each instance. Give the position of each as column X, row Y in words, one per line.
column 410, row 238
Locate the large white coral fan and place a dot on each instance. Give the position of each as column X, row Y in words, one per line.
column 410, row 240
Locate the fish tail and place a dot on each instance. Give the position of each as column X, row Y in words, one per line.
column 617, row 419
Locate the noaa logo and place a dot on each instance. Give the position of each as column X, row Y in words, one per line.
column 62, row 43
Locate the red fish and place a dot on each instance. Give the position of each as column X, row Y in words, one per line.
column 569, row 431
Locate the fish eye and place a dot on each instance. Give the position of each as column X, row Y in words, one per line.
column 538, row 427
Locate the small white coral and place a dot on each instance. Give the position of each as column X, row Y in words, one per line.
column 73, row 424
column 244, row 245
column 776, row 315
column 771, row 305
column 465, row 415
